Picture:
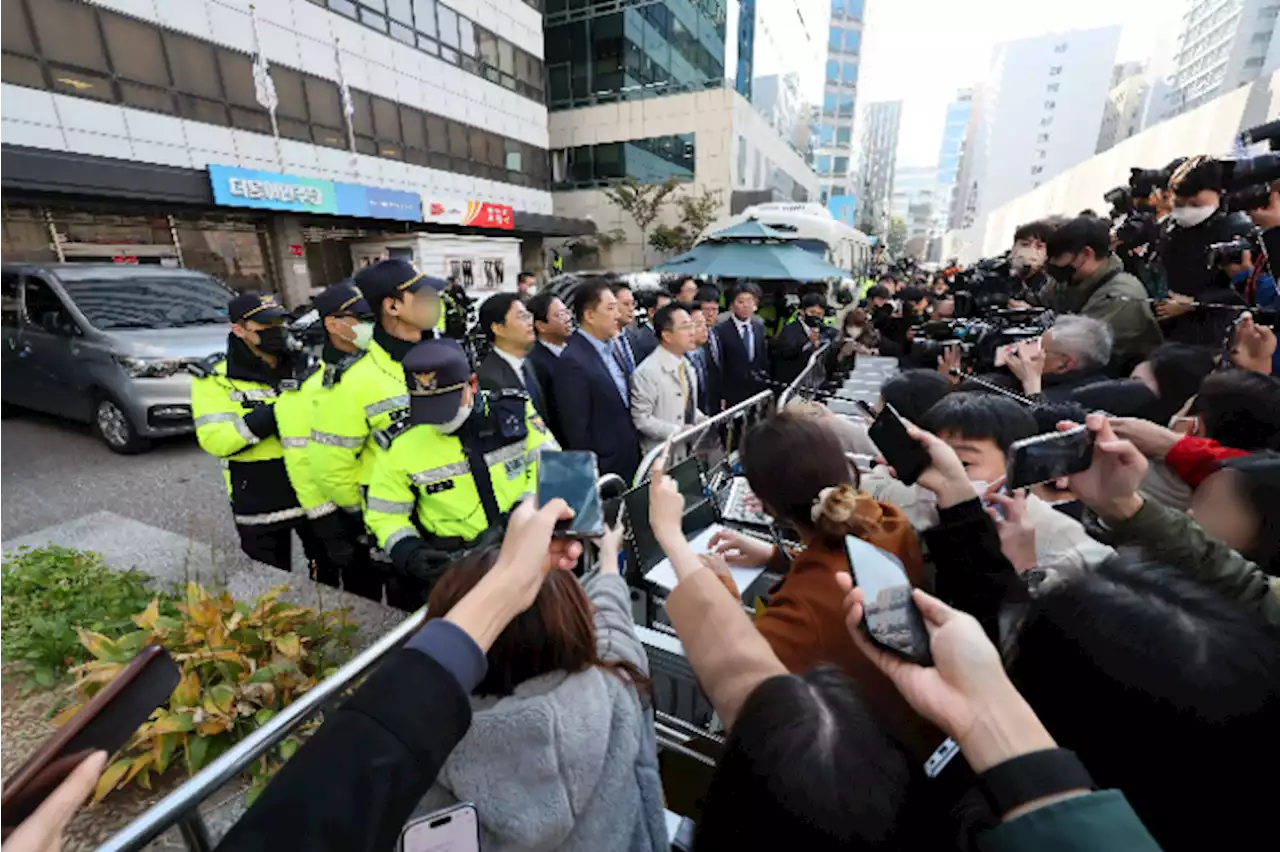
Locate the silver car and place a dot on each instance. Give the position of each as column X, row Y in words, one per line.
column 109, row 345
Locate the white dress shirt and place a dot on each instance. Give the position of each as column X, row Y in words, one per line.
column 658, row 397
column 743, row 328
column 556, row 349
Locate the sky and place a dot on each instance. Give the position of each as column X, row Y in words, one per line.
column 921, row 51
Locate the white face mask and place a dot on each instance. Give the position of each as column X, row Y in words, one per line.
column 464, row 411
column 1189, row 217
column 363, row 332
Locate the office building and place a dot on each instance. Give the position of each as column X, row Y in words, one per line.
column 1040, row 113
column 833, row 144
column 877, row 157
column 1123, row 115
column 955, row 131
column 718, row 94
column 1222, row 45
column 915, row 195
column 146, row 137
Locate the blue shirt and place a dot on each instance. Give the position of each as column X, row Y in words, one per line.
column 611, row 364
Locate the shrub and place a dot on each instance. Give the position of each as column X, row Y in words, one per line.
column 49, row 593
column 240, row 663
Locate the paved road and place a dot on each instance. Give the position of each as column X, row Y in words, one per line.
column 53, row 471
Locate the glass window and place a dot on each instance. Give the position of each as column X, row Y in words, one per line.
column 448, row 34
column 844, row 135
column 466, row 37
column 81, row 84
column 374, row 20
column 506, row 57
column 833, row 70
column 135, row 49
column 293, row 103
column 362, row 116
column 237, row 79
column 202, row 109
column 10, row 297
column 835, row 40
column 488, row 46
column 43, row 305
column 386, row 119
column 841, row 165
column 146, row 97
column 15, row 31
column 400, row 10
column 415, row 135
column 402, row 33
column 324, row 102
column 343, row 7
column 21, row 72
column 256, row 120
column 609, row 162
column 194, row 69
column 458, row 143
column 852, row 41
column 846, row 106
column 849, row 73
column 826, row 134
column 822, row 164
column 424, row 16
column 513, row 154
column 68, row 32
column 829, row 103
column 330, row 137
column 437, row 134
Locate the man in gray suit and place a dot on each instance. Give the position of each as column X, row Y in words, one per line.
column 664, row 388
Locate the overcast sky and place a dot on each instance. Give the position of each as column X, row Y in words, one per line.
column 923, row 50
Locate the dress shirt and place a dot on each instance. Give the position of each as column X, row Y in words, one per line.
column 517, row 364
column 556, row 348
column 605, row 349
column 748, row 335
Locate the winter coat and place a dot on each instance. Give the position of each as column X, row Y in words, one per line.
column 1114, row 297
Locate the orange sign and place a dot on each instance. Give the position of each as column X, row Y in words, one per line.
column 470, row 214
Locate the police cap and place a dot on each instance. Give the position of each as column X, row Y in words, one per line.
column 341, row 299
column 436, row 371
column 259, row 307
column 391, row 278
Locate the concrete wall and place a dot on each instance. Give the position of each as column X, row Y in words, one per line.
column 1210, row 129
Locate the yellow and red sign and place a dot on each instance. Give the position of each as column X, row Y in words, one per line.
column 470, row 214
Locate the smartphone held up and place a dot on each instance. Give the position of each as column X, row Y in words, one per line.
column 573, row 477
column 1054, row 455
column 889, row 614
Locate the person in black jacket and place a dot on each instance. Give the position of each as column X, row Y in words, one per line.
column 1198, row 220
column 352, row 785
column 799, row 338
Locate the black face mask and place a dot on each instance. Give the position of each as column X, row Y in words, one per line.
column 275, row 340
column 1061, row 273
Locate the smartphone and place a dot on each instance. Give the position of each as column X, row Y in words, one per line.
column 104, row 724
column 455, row 829
column 889, row 615
column 905, row 455
column 866, row 409
column 572, row 476
column 1049, row 456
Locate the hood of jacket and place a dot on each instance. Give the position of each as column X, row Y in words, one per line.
column 563, row 763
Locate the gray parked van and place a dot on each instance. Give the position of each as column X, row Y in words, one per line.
column 108, row 345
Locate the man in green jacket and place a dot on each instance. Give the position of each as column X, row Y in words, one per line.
column 1089, row 279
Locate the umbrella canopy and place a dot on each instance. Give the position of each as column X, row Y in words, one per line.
column 751, row 229
column 758, row 261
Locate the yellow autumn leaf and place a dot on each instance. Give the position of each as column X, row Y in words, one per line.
column 140, row 762
column 173, row 723
column 187, row 693
column 290, row 645
column 148, row 617
column 220, row 698
column 65, row 715
column 100, row 646
column 213, row 726
column 100, row 673
column 110, row 778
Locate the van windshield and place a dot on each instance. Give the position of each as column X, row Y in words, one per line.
column 150, row 302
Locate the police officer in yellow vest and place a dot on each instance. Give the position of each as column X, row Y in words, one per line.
column 453, row 468
column 234, row 401
column 367, row 388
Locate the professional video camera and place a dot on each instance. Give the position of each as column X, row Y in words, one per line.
column 990, row 283
column 978, row 337
column 1246, row 180
column 1231, row 251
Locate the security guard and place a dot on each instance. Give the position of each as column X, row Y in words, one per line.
column 366, row 388
column 454, row 467
column 348, row 329
column 233, row 401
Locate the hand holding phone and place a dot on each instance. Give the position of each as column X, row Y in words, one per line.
column 455, row 829
column 907, row 456
column 573, row 477
column 890, row 618
column 1052, row 455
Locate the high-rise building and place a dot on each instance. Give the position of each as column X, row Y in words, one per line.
column 964, row 194
column 1125, row 110
column 955, row 131
column 717, row 94
column 1223, row 44
column 146, row 133
column 833, row 140
column 915, row 196
column 1040, row 114
column 878, row 155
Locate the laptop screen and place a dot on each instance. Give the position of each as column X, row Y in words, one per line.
column 699, row 512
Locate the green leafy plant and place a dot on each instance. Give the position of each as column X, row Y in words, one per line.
column 241, row 663
column 48, row 593
column 643, row 202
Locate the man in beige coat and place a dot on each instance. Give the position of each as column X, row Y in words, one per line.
column 664, row 387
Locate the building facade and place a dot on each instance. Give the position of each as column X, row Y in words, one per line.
column 916, row 196
column 1040, row 113
column 833, row 145
column 1222, row 45
column 1126, row 106
column 719, row 95
column 955, row 130
column 140, row 133
column 877, row 158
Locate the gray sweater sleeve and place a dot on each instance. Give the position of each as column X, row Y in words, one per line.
column 616, row 637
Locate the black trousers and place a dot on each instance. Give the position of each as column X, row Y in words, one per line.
column 274, row 546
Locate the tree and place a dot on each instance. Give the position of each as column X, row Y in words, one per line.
column 696, row 213
column 642, row 202
column 669, row 240
column 897, row 239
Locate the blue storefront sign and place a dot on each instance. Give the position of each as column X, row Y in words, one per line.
column 236, row 187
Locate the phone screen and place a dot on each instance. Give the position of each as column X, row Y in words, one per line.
column 907, row 456
column 455, row 829
column 889, row 615
column 1050, row 456
column 572, row 476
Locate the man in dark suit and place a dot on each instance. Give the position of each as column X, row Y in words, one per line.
column 709, row 354
column 743, row 347
column 637, row 342
column 590, row 384
column 552, row 325
column 509, row 326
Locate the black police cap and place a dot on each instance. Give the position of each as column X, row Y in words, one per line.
column 259, row 307
column 393, row 277
column 342, row 298
column 435, row 371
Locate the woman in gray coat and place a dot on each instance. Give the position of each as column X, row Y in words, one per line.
column 561, row 751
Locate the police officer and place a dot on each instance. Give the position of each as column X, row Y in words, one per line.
column 348, row 329
column 366, row 388
column 233, row 401
column 453, row 468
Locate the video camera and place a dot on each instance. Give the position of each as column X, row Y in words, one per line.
column 988, row 284
column 978, row 337
column 1246, row 180
column 1229, row 252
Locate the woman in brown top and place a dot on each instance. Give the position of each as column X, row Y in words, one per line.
column 797, row 469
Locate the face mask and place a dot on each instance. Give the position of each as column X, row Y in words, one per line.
column 1023, row 259
column 274, row 340
column 363, row 335
column 1189, row 217
column 1062, row 273
column 455, row 424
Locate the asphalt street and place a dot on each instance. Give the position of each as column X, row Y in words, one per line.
column 52, row 471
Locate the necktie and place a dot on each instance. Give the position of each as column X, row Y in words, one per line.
column 747, row 342
column 714, row 342
column 622, row 353
column 531, row 385
column 689, row 407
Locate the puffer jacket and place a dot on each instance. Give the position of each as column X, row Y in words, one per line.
column 1115, row 297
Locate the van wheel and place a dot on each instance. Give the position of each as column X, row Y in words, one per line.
column 116, row 429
